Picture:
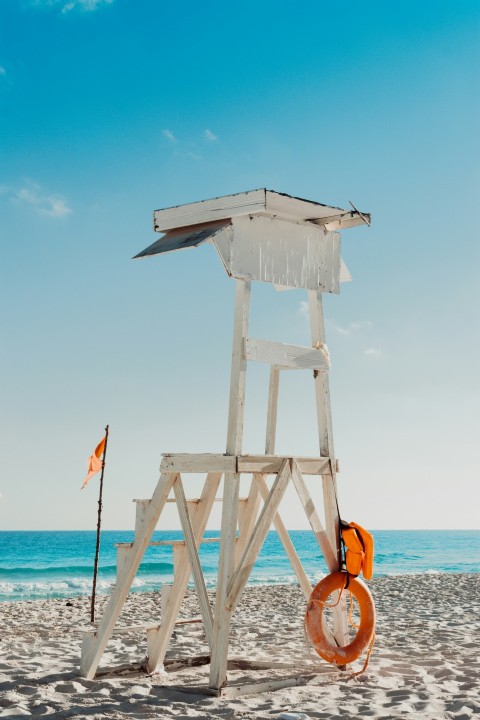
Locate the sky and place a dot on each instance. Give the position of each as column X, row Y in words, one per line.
column 110, row 109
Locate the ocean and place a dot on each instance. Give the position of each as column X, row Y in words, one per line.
column 59, row 564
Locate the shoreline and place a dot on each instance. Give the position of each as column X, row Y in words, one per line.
column 104, row 593
column 139, row 590
column 424, row 663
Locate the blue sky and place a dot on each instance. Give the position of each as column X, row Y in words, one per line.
column 109, row 110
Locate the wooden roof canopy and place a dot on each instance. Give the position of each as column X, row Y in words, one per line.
column 263, row 235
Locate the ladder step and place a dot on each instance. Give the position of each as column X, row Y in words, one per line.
column 193, row 500
column 144, row 628
column 294, row 357
column 156, row 543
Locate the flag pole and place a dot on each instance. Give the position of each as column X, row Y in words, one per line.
column 99, row 523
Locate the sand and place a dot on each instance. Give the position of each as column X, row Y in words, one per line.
column 425, row 663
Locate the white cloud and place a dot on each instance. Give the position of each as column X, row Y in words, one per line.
column 169, row 135
column 56, row 207
column 66, row 6
column 303, row 309
column 90, row 4
column 87, row 5
column 373, row 352
column 352, row 327
column 31, row 195
column 3, row 72
column 210, row 136
column 28, row 194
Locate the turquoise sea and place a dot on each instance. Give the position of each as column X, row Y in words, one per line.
column 36, row 565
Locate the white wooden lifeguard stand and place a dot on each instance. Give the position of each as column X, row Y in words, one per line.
column 291, row 243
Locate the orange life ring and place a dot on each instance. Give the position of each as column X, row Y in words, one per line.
column 314, row 620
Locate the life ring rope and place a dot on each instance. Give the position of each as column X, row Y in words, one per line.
column 367, row 659
column 328, row 605
column 350, row 612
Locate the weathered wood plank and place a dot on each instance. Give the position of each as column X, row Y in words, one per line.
column 255, row 688
column 252, row 202
column 313, row 519
column 239, row 369
column 172, row 543
column 222, row 615
column 247, row 516
column 164, row 594
column 158, row 641
column 194, row 559
column 209, row 210
column 192, row 500
column 123, row 552
column 266, row 464
column 301, row 210
column 144, row 628
column 269, row 249
column 271, row 464
column 140, row 516
column 243, row 663
column 231, row 487
column 272, row 410
column 286, row 541
column 205, row 462
column 322, row 392
column 293, row 357
column 329, row 482
column 173, row 664
column 264, row 686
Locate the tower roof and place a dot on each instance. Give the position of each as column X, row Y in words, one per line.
column 263, row 235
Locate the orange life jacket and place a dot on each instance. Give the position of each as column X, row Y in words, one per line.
column 359, row 554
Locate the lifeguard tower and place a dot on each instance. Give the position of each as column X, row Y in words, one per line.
column 270, row 237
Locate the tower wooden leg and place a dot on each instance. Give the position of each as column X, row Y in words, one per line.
column 222, row 617
column 339, row 613
column 272, row 410
column 325, row 434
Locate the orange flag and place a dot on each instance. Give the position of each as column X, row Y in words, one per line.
column 94, row 461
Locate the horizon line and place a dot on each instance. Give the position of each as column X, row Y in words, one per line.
column 93, row 530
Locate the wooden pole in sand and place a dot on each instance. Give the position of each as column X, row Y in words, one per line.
column 99, row 523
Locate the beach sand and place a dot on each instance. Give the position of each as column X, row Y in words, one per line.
column 425, row 663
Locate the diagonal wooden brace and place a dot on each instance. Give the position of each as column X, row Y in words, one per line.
column 286, row 541
column 192, row 550
column 158, row 642
column 247, row 516
column 249, row 555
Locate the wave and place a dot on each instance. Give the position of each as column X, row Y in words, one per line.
column 62, row 588
column 75, row 586
column 64, row 571
column 385, row 557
